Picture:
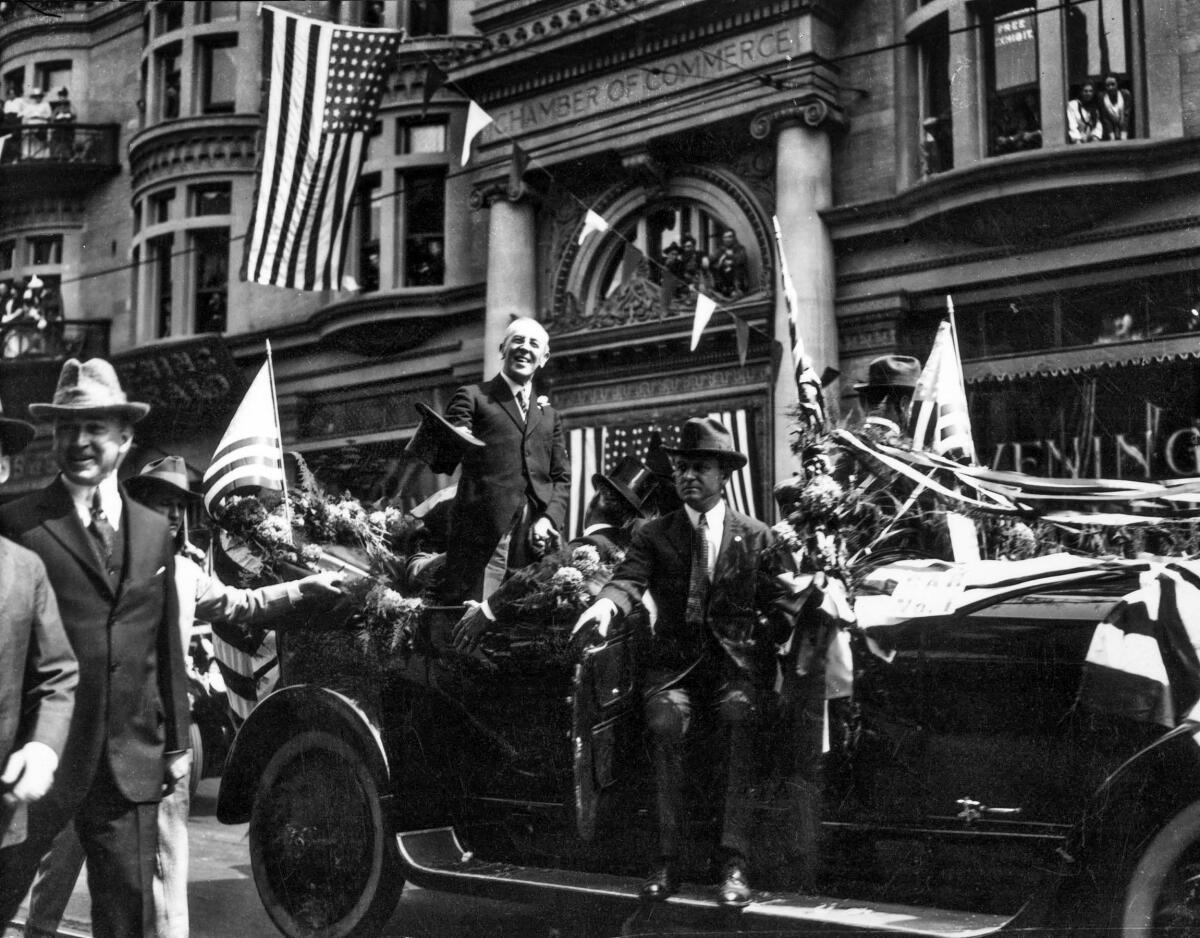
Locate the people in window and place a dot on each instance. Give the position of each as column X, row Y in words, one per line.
column 694, row 265
column 37, row 112
column 1083, row 116
column 62, row 135
column 731, row 267
column 1116, row 110
column 1017, row 125
column 427, row 264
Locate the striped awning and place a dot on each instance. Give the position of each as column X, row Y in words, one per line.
column 1057, row 362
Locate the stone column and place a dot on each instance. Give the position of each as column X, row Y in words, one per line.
column 511, row 268
column 803, row 188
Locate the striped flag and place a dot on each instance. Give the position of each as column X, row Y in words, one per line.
column 940, row 421
column 808, row 385
column 250, row 454
column 321, row 84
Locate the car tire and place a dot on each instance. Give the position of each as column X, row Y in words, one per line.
column 323, row 854
column 197, row 770
column 1163, row 895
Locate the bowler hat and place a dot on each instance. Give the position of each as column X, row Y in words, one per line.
column 170, row 472
column 89, row 388
column 632, row 480
column 707, row 437
column 438, row 443
column 891, row 372
column 14, row 434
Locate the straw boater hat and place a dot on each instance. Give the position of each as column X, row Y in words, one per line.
column 890, row 373
column 89, row 389
column 14, row 434
column 438, row 443
column 707, row 438
column 170, row 473
column 632, row 480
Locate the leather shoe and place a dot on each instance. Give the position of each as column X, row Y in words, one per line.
column 660, row 883
column 735, row 887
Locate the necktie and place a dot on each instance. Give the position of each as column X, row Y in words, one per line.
column 698, row 581
column 523, row 401
column 101, row 529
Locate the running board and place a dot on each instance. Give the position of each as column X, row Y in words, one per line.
column 435, row 859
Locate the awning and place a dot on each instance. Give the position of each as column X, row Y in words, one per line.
column 1056, row 362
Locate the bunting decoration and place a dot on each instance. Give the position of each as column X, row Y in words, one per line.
column 592, row 222
column 435, row 79
column 477, row 119
column 940, row 422
column 322, row 85
column 808, row 385
column 705, row 307
column 250, row 454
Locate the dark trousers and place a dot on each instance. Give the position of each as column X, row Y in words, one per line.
column 120, row 838
column 670, row 713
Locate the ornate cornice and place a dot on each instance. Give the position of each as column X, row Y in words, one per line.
column 47, row 212
column 487, row 194
column 225, row 143
column 811, row 111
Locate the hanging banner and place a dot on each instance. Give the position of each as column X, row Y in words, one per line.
column 1014, row 44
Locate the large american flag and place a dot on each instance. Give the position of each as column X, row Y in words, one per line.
column 322, row 84
column 940, row 420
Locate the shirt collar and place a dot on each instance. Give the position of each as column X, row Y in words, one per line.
column 514, row 387
column 110, row 500
column 715, row 516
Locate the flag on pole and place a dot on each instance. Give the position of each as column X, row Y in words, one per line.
column 250, row 454
column 940, row 421
column 592, row 221
column 477, row 119
column 808, row 385
column 321, row 83
column 435, row 78
column 705, row 307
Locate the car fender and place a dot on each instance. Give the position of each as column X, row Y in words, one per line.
column 276, row 719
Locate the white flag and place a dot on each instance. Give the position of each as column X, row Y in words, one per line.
column 705, row 307
column 477, row 119
column 592, row 222
column 250, row 454
column 941, row 422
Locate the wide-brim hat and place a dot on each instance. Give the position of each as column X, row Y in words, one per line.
column 438, row 443
column 632, row 480
column 891, row 373
column 89, row 388
column 170, row 472
column 14, row 434
column 708, row 438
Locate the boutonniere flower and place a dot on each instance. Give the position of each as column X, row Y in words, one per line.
column 543, row 401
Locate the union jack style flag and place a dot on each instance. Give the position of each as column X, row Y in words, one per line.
column 941, row 423
column 321, row 87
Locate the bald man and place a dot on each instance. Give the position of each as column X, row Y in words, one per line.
column 513, row 493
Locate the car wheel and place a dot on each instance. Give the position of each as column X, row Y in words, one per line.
column 1163, row 897
column 197, row 771
column 324, row 857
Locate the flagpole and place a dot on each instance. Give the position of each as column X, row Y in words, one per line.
column 287, row 505
column 962, row 382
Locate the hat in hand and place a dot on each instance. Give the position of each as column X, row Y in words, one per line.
column 170, row 473
column 14, row 434
column 632, row 480
column 890, row 373
column 438, row 443
column 89, row 389
column 708, row 438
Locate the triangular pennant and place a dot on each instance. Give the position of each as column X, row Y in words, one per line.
column 670, row 283
column 592, row 222
column 435, row 78
column 743, row 338
column 630, row 261
column 705, row 307
column 477, row 119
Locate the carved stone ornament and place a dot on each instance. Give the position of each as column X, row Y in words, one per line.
column 813, row 113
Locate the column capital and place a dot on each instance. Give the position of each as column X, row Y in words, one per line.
column 487, row 194
column 811, row 112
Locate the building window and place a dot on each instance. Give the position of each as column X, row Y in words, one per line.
column 1097, row 41
column 160, row 206
column 210, row 199
column 370, row 221
column 169, row 81
column 423, row 217
column 427, row 18
column 1014, row 103
column 137, row 216
column 218, row 79
column 215, row 10
column 210, row 247
column 937, row 137
column 45, row 249
column 168, row 16
column 7, row 252
column 53, row 76
column 161, row 283
column 14, row 81
column 373, row 14
column 422, row 137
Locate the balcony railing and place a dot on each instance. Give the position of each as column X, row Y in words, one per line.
column 68, row 143
column 66, row 338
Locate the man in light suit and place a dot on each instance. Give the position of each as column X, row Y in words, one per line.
column 111, row 563
column 38, row 671
column 513, row 493
column 721, row 616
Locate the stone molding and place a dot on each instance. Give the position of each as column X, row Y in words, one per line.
column 182, row 148
column 868, row 332
column 812, row 112
column 47, row 212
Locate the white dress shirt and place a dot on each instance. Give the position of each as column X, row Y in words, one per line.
column 519, row 390
column 110, row 500
column 715, row 520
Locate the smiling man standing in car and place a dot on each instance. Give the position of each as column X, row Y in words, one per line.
column 513, row 494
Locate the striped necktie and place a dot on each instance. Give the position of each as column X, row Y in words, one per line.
column 698, row 581
column 100, row 528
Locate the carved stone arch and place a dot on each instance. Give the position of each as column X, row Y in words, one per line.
column 577, row 279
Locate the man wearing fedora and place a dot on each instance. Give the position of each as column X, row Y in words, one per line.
column 886, row 397
column 514, row 490
column 720, row 617
column 238, row 615
column 611, row 513
column 38, row 671
column 111, row 563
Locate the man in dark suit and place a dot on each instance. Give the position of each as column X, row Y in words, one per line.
column 38, row 672
column 111, row 563
column 721, row 615
column 513, row 492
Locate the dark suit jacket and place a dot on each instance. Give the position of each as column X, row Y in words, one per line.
column 521, row 459
column 38, row 671
column 132, row 693
column 743, row 614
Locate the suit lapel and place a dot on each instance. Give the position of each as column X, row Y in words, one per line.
column 503, row 396
column 534, row 416
column 733, row 529
column 60, row 520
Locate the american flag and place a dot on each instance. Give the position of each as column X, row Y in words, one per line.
column 322, row 84
column 808, row 385
column 941, row 422
column 250, row 454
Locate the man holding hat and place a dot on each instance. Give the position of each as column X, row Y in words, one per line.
column 886, row 396
column 514, row 490
column 720, row 618
column 238, row 615
column 38, row 671
column 111, row 563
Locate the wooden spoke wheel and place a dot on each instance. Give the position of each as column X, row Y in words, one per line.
column 323, row 853
column 1163, row 897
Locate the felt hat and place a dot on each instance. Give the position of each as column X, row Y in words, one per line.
column 35, row 92
column 89, row 388
column 170, row 472
column 891, row 373
column 438, row 443
column 632, row 480
column 708, row 438
column 14, row 434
